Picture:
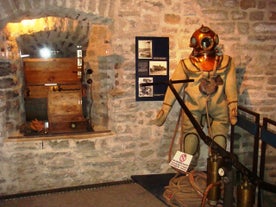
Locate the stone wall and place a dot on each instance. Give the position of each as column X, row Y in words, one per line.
column 247, row 32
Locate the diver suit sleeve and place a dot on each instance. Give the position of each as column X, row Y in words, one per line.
column 232, row 93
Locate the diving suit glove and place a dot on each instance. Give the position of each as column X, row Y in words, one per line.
column 162, row 115
column 233, row 112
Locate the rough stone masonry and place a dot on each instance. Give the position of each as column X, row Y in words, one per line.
column 247, row 33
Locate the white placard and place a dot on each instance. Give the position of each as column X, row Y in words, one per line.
column 181, row 161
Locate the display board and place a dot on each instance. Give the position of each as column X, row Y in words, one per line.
column 152, row 66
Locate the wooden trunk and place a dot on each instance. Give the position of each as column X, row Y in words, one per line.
column 65, row 111
column 64, row 103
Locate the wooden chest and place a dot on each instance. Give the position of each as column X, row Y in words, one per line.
column 65, row 112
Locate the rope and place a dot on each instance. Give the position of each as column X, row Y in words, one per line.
column 210, row 131
column 185, row 190
column 174, row 136
column 194, row 178
column 209, row 187
column 176, row 130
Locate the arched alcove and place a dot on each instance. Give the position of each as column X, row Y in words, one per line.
column 63, row 32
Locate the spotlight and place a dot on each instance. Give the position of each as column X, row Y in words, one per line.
column 45, row 52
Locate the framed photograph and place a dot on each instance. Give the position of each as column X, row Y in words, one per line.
column 152, row 68
column 145, row 91
column 145, row 49
column 158, row 68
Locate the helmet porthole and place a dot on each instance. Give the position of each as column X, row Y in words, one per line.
column 207, row 43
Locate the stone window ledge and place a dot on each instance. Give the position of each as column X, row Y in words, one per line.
column 86, row 135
